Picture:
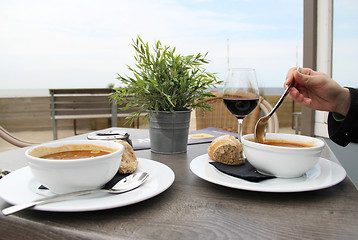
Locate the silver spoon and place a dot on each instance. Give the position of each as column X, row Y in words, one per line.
column 260, row 128
column 126, row 184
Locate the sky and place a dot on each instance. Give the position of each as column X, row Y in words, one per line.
column 86, row 43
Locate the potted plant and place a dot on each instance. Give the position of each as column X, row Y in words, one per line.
column 168, row 86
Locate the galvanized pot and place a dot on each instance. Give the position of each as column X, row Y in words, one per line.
column 168, row 131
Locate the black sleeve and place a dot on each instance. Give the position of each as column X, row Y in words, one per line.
column 345, row 131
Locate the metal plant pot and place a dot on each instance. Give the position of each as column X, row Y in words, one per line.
column 168, row 131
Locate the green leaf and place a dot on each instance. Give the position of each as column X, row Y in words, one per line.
column 163, row 80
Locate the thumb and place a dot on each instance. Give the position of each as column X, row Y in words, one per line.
column 301, row 79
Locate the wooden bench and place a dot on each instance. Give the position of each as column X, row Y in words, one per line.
column 82, row 104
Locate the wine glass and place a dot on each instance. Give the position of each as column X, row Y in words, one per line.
column 241, row 93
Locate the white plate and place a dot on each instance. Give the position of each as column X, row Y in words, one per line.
column 323, row 175
column 20, row 186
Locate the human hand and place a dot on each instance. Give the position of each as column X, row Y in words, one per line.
column 318, row 91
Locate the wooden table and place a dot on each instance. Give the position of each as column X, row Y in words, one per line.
column 195, row 209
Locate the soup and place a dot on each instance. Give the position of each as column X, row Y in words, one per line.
column 284, row 143
column 76, row 154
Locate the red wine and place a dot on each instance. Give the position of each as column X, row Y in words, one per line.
column 240, row 107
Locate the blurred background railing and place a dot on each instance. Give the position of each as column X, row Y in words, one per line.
column 33, row 113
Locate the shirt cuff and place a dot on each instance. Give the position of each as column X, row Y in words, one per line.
column 338, row 117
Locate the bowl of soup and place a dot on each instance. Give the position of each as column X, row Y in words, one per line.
column 74, row 165
column 283, row 155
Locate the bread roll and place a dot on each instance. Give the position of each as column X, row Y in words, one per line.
column 129, row 160
column 226, row 149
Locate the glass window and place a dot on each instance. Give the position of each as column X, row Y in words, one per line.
column 345, row 42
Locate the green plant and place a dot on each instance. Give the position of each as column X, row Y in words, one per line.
column 164, row 80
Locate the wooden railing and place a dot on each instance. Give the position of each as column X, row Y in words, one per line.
column 81, row 104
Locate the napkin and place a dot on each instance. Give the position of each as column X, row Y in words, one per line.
column 114, row 180
column 245, row 171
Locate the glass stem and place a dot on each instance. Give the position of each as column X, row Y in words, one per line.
column 239, row 135
column 239, row 129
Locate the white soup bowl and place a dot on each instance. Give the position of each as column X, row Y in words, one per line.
column 67, row 175
column 283, row 162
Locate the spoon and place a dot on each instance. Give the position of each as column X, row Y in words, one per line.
column 260, row 128
column 126, row 184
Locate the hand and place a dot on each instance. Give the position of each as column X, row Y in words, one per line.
column 318, row 91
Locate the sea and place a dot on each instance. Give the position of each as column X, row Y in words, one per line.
column 42, row 92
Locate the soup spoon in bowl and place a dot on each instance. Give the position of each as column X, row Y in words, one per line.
column 126, row 184
column 260, row 128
